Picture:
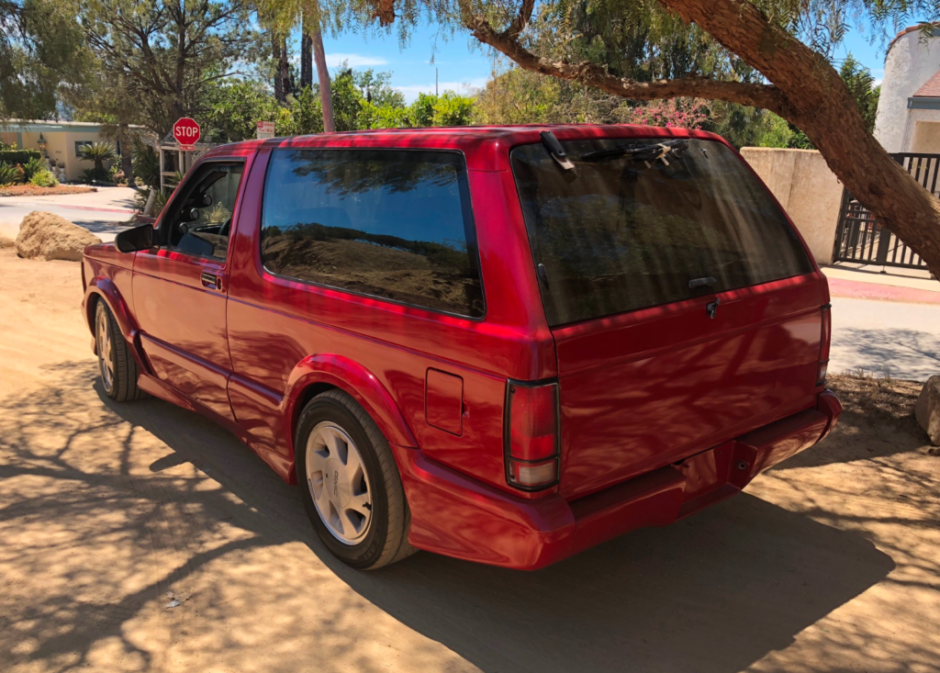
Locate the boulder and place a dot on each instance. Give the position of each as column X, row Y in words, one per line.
column 6, row 242
column 927, row 409
column 48, row 236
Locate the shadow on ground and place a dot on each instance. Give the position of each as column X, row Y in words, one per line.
column 712, row 594
column 904, row 353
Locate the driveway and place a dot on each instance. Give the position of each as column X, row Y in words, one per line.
column 103, row 212
column 886, row 338
column 141, row 537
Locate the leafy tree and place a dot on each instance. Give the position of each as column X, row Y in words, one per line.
column 305, row 115
column 861, row 85
column 233, row 109
column 447, row 109
column 165, row 54
column 347, row 101
column 281, row 16
column 41, row 49
column 377, row 89
column 772, row 54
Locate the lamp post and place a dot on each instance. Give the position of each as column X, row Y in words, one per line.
column 42, row 146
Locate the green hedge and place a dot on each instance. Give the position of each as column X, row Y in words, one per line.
column 14, row 157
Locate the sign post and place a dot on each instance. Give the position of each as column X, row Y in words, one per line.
column 265, row 130
column 187, row 133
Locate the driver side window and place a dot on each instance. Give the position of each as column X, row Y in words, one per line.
column 200, row 220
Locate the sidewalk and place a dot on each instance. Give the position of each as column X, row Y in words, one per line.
column 104, row 213
column 868, row 282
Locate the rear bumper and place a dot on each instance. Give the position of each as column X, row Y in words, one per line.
column 457, row 516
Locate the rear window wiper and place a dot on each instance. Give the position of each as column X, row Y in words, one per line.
column 649, row 154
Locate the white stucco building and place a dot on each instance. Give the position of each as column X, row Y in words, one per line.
column 908, row 117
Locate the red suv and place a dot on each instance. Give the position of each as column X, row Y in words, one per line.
column 504, row 345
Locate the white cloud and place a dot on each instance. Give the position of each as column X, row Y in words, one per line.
column 411, row 91
column 354, row 60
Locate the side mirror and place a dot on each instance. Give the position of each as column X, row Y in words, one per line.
column 138, row 238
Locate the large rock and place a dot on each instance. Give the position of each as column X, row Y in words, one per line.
column 927, row 409
column 49, row 236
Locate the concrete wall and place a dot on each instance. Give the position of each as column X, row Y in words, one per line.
column 908, row 65
column 927, row 136
column 806, row 188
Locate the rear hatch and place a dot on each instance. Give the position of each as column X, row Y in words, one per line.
column 684, row 307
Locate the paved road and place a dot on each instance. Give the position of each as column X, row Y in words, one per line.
column 103, row 212
column 901, row 340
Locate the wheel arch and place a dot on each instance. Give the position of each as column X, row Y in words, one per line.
column 319, row 373
column 103, row 289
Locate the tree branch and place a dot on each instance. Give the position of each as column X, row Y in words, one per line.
column 507, row 42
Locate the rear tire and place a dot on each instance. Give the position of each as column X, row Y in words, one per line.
column 116, row 363
column 350, row 484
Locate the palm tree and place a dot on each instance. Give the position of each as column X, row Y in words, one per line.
column 99, row 153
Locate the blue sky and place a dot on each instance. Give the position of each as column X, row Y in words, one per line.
column 462, row 65
column 459, row 65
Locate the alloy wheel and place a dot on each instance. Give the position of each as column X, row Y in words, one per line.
column 105, row 355
column 338, row 482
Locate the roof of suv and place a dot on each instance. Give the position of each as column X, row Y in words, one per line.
column 470, row 139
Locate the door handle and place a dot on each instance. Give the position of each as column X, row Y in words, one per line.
column 211, row 280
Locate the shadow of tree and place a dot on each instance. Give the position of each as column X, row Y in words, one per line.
column 901, row 353
column 115, row 505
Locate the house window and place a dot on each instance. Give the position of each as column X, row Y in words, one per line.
column 79, row 144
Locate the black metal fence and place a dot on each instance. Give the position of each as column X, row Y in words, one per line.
column 859, row 236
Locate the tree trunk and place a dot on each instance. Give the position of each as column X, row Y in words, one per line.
column 283, row 69
column 306, row 53
column 127, row 165
column 280, row 56
column 326, row 91
column 820, row 105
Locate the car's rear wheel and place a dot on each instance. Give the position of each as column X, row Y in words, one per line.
column 350, row 484
column 115, row 361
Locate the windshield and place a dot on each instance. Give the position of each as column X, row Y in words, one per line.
column 638, row 224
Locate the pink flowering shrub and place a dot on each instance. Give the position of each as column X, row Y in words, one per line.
column 686, row 113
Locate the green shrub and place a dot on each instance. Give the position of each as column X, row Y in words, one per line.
column 8, row 174
column 96, row 175
column 146, row 163
column 14, row 157
column 32, row 167
column 43, row 178
column 116, row 174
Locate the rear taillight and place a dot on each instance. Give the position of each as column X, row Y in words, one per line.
column 530, row 437
column 824, row 338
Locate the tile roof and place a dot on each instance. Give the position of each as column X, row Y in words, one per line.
column 909, row 29
column 931, row 88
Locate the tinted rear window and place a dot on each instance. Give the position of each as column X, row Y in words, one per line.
column 388, row 223
column 620, row 232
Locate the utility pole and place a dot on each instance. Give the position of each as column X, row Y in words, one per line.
column 436, row 92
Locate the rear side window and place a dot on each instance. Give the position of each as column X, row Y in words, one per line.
column 627, row 230
column 388, row 223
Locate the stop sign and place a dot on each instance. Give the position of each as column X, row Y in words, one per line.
column 186, row 131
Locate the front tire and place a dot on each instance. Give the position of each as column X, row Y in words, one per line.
column 350, row 484
column 116, row 363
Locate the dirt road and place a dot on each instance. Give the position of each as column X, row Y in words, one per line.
column 110, row 512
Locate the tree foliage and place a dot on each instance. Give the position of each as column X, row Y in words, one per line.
column 41, row 49
column 165, row 54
